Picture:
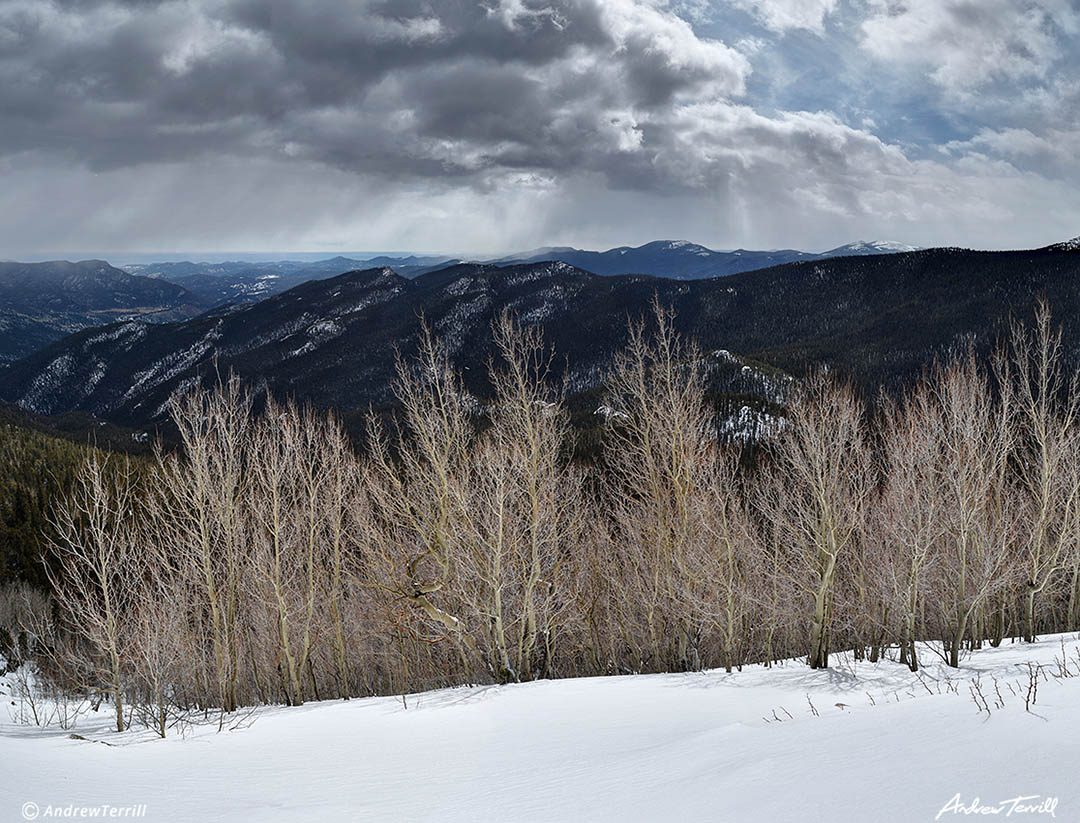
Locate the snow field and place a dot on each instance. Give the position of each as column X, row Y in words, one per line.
column 744, row 746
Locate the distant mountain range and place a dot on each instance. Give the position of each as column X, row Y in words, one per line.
column 682, row 260
column 43, row 302
column 333, row 341
column 241, row 282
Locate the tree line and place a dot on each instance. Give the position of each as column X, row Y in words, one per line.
column 268, row 561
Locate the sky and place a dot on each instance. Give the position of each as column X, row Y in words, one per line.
column 490, row 126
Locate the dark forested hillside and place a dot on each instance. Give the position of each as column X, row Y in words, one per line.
column 38, row 461
column 42, row 302
column 334, row 341
column 36, row 469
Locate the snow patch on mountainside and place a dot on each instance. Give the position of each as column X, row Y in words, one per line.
column 101, row 368
column 324, row 329
column 373, row 298
column 538, row 307
column 179, row 390
column 873, row 247
column 42, row 393
column 1068, row 245
column 318, row 333
column 130, row 332
column 748, row 425
column 773, row 386
column 459, row 286
column 274, row 335
column 163, row 370
column 533, row 273
column 451, row 329
column 724, row 356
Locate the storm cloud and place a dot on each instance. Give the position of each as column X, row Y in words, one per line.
column 460, row 125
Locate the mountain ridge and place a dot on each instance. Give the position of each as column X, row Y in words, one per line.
column 334, row 342
column 686, row 260
column 42, row 302
column 245, row 282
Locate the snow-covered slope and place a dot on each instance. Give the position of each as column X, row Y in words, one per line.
column 854, row 743
column 870, row 247
column 1068, row 245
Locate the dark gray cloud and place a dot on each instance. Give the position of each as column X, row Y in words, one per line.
column 482, row 124
column 451, row 87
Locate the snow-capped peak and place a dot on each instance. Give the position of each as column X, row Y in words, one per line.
column 1068, row 245
column 681, row 245
column 883, row 245
column 871, row 247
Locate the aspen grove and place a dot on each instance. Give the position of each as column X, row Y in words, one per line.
column 269, row 560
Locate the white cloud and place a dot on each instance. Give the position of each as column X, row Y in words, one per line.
column 782, row 15
column 970, row 44
column 1052, row 153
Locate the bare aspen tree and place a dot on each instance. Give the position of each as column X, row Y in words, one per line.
column 823, row 456
column 416, row 487
column 1072, row 608
column 729, row 561
column 486, row 570
column 909, row 510
column 158, row 648
column 201, row 500
column 534, row 499
column 660, row 457
column 977, row 512
column 781, row 617
column 604, row 635
column 282, row 522
column 1047, row 404
column 340, row 493
column 94, row 582
column 867, row 608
